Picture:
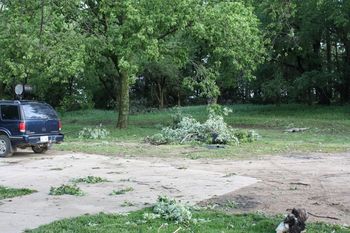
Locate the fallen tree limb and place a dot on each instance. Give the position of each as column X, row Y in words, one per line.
column 295, row 130
column 299, row 183
column 187, row 136
column 178, row 229
column 320, row 216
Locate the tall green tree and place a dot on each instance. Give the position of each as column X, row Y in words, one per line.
column 230, row 46
column 39, row 46
column 128, row 33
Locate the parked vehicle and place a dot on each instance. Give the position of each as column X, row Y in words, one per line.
column 28, row 124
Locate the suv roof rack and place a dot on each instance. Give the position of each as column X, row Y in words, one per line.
column 31, row 101
column 10, row 101
column 19, row 101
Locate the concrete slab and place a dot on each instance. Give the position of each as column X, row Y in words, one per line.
column 148, row 179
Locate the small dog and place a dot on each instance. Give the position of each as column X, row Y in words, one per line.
column 294, row 222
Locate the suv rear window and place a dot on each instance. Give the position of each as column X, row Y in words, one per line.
column 9, row 112
column 38, row 111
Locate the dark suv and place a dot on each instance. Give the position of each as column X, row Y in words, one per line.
column 28, row 124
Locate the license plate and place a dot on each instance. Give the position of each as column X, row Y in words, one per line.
column 44, row 139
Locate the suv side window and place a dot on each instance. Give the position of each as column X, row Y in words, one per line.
column 9, row 112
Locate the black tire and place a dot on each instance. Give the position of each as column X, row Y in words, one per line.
column 5, row 146
column 40, row 149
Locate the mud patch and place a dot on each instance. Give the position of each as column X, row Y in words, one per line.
column 246, row 203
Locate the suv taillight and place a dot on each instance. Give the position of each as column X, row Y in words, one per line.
column 59, row 125
column 22, row 127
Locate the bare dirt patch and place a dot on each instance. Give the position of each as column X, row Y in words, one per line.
column 318, row 182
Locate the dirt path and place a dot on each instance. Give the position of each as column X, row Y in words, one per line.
column 320, row 183
column 149, row 179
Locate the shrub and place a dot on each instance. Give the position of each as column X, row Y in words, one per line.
column 66, row 189
column 94, row 133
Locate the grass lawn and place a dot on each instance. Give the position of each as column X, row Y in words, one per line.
column 329, row 129
column 208, row 222
column 6, row 192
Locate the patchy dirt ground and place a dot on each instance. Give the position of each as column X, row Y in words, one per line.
column 318, row 182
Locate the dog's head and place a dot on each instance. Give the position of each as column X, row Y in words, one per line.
column 291, row 220
column 300, row 214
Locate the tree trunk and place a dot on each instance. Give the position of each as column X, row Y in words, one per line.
column 212, row 100
column 323, row 96
column 161, row 95
column 329, row 51
column 321, row 92
column 123, row 106
column 2, row 90
column 161, row 104
column 309, row 96
column 345, row 95
column 325, row 93
column 178, row 99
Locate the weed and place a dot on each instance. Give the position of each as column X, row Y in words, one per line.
column 121, row 191
column 90, row 180
column 66, row 190
column 127, row 204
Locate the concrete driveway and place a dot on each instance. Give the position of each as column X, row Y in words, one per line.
column 148, row 178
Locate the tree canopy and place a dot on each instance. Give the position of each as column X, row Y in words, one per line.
column 117, row 54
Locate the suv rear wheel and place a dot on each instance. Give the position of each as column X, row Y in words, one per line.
column 40, row 149
column 5, row 146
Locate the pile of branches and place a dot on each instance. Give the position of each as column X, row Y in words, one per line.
column 213, row 131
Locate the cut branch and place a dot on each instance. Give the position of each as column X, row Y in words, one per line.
column 320, row 216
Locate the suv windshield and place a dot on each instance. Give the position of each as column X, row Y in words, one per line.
column 38, row 111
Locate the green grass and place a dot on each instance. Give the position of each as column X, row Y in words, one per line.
column 329, row 131
column 209, row 222
column 6, row 192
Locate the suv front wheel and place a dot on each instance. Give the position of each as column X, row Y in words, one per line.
column 5, row 146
